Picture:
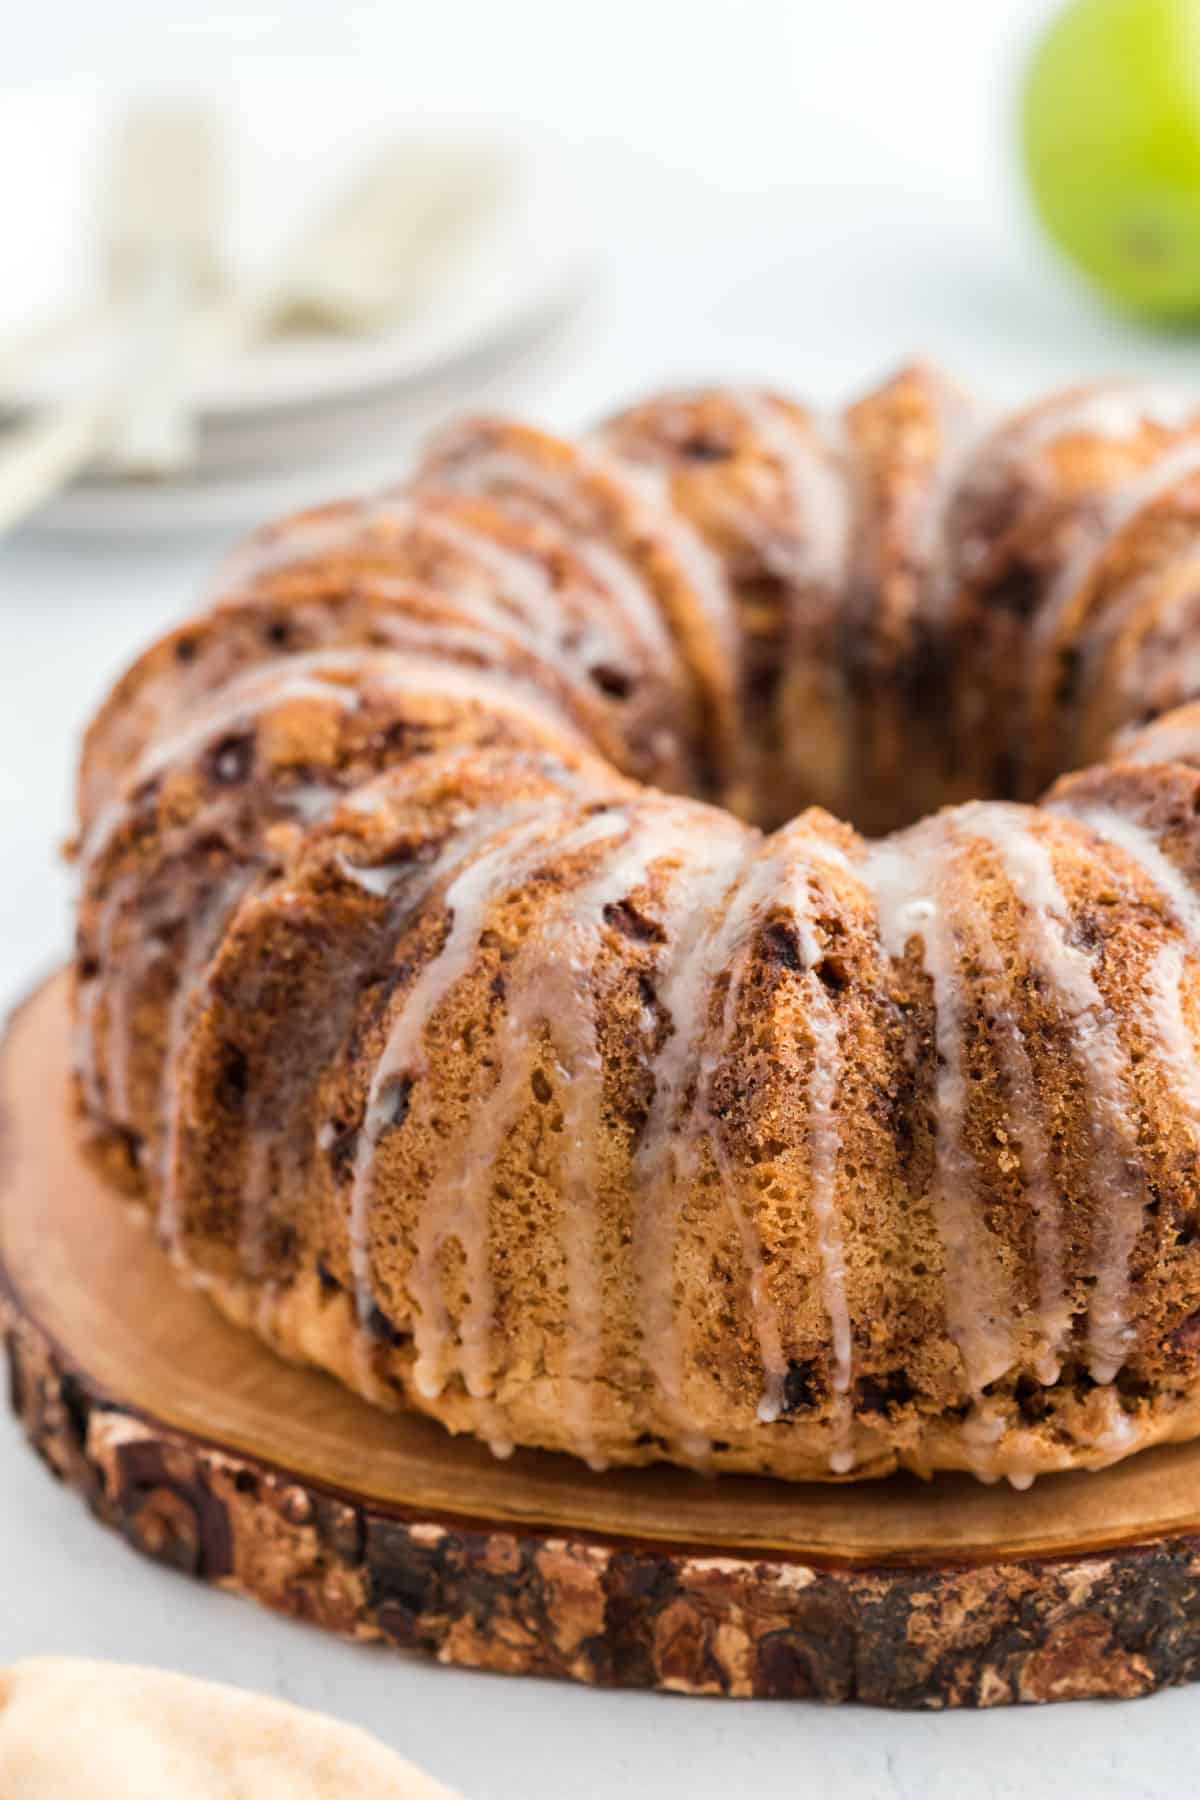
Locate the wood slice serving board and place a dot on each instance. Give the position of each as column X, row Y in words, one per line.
column 209, row 1454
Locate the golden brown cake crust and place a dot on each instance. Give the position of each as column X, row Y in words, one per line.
column 440, row 993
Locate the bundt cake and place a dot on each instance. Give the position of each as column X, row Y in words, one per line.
column 478, row 986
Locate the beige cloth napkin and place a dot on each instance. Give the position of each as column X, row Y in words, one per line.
column 80, row 1730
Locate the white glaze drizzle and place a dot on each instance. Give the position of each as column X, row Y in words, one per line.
column 464, row 1214
column 304, row 537
column 824, row 1133
column 500, row 473
column 309, row 677
column 1171, row 739
column 521, row 576
column 916, row 893
column 374, row 878
column 735, row 939
column 516, row 597
column 525, row 577
column 235, row 707
column 1119, row 1433
column 1097, row 535
column 964, row 431
column 504, row 471
column 1102, row 1061
column 494, row 855
column 549, row 988
column 816, row 488
column 482, row 857
column 779, row 882
column 683, row 982
column 1026, row 1111
column 308, row 801
column 655, row 515
column 1135, row 842
column 1115, row 410
column 1173, row 1036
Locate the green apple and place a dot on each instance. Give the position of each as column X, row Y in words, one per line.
column 1110, row 130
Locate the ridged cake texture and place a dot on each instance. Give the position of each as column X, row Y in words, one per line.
column 479, row 985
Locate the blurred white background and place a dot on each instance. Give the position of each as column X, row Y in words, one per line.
column 793, row 189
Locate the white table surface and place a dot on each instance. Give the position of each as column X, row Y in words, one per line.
column 806, row 192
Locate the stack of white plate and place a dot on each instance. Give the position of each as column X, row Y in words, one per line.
column 295, row 418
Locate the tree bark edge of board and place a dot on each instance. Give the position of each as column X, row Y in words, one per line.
column 612, row 1614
